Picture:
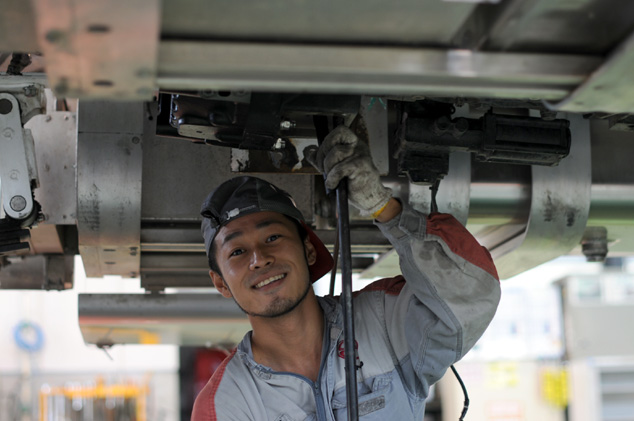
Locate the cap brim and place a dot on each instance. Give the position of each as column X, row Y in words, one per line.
column 324, row 262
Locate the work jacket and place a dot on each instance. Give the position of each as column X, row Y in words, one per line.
column 407, row 332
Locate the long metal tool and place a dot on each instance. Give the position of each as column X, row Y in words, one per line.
column 346, row 297
column 350, row 358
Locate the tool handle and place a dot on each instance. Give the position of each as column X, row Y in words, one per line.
column 346, row 301
column 349, row 345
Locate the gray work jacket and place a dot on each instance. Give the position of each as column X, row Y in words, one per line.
column 408, row 334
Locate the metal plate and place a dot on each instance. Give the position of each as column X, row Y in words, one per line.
column 560, row 204
column 178, row 175
column 453, row 192
column 17, row 26
column 610, row 89
column 375, row 116
column 109, row 167
column 430, row 22
column 99, row 49
column 55, row 137
column 577, row 26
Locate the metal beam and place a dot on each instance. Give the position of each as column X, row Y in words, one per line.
column 610, row 89
column 369, row 70
column 184, row 319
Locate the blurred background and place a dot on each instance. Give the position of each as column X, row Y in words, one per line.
column 560, row 347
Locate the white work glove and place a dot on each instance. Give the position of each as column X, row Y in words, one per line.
column 342, row 155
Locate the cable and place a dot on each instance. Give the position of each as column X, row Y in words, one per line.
column 466, row 395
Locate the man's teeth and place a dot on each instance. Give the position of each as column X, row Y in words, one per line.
column 268, row 281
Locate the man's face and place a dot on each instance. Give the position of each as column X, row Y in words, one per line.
column 264, row 264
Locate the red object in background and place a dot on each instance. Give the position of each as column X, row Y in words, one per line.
column 207, row 361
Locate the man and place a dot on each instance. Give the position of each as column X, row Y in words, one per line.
column 291, row 365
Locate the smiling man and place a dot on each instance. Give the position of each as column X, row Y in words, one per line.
column 291, row 365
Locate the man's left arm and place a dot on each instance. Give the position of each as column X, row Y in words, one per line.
column 447, row 271
column 452, row 290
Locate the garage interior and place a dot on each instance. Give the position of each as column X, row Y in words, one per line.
column 119, row 117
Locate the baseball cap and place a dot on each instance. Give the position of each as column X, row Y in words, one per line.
column 244, row 195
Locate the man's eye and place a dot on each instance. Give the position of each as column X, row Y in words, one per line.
column 236, row 252
column 273, row 238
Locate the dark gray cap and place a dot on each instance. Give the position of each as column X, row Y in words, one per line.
column 245, row 195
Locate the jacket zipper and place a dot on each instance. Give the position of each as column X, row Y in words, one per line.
column 317, row 393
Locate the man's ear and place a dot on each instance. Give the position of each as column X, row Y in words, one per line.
column 311, row 253
column 220, row 284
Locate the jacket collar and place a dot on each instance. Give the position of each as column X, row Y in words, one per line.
column 333, row 327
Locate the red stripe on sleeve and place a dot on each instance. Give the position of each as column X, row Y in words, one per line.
column 460, row 241
column 205, row 406
column 391, row 286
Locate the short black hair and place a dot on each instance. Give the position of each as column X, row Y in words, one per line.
column 211, row 256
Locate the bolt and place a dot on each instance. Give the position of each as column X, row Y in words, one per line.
column 18, row 203
column 594, row 244
column 440, row 125
column 207, row 93
column 287, row 124
column 98, row 28
column 48, row 118
column 30, row 91
column 548, row 114
column 54, row 35
column 8, row 133
column 136, row 140
column 279, row 144
column 460, row 127
column 5, row 106
column 14, row 174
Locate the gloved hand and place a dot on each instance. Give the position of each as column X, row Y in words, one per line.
column 341, row 155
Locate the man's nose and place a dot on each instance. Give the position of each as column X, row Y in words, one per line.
column 260, row 258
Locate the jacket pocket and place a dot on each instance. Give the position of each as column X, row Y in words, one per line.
column 372, row 394
column 284, row 417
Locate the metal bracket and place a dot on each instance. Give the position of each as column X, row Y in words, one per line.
column 560, row 204
column 454, row 191
column 17, row 161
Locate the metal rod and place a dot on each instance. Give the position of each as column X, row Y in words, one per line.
column 333, row 274
column 350, row 359
column 346, row 298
